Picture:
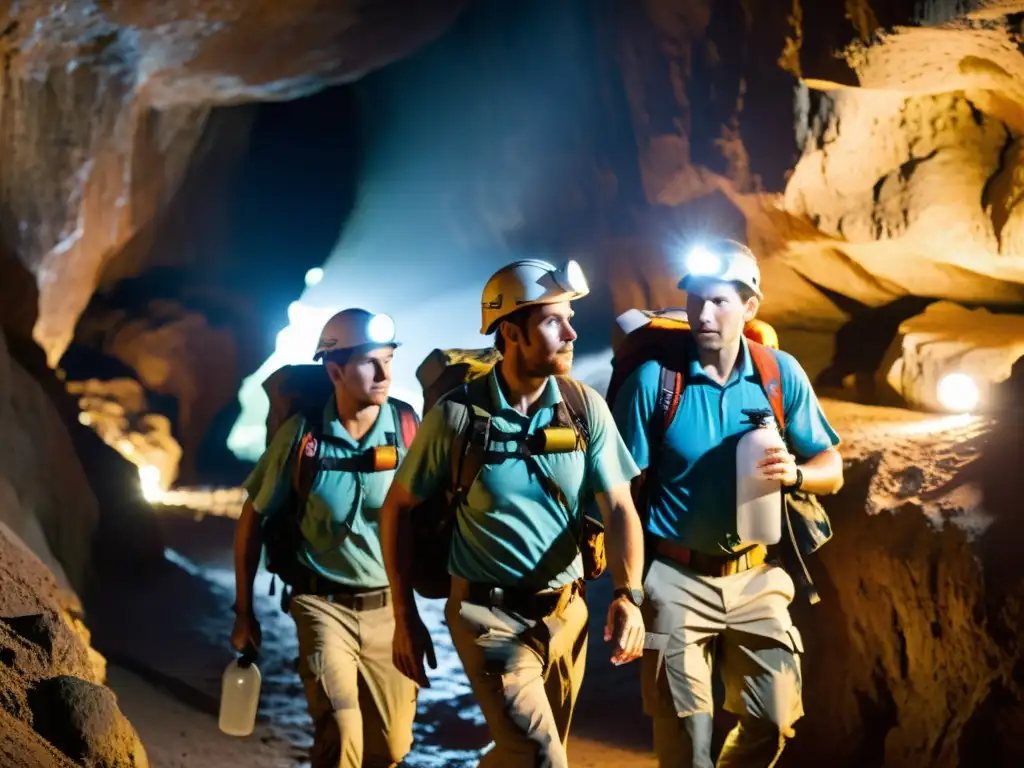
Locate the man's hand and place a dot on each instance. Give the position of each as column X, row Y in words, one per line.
column 625, row 628
column 246, row 635
column 779, row 465
column 412, row 641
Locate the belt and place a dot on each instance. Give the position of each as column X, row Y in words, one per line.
column 524, row 601
column 347, row 597
column 711, row 565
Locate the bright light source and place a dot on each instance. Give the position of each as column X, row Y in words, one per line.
column 314, row 276
column 577, row 280
column 149, row 481
column 84, row 419
column 958, row 392
column 701, row 261
column 381, row 329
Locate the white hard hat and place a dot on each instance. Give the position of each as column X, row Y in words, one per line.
column 724, row 260
column 352, row 328
column 527, row 283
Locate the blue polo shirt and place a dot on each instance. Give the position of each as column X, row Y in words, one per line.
column 696, row 502
column 348, row 555
column 510, row 530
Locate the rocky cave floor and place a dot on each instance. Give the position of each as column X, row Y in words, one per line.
column 165, row 637
column 165, row 640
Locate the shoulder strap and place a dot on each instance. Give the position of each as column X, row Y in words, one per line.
column 767, row 365
column 473, row 438
column 406, row 419
column 574, row 412
column 307, row 458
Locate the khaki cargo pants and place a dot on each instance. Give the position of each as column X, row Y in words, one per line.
column 362, row 707
column 527, row 691
column 742, row 624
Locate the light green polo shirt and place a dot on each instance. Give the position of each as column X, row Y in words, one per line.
column 510, row 530
column 353, row 560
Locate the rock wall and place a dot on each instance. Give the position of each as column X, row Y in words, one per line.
column 54, row 708
column 913, row 655
column 102, row 106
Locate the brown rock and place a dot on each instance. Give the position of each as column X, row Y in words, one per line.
column 49, row 678
column 128, row 86
column 82, row 720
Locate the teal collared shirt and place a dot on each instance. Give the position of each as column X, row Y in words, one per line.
column 350, row 557
column 696, row 502
column 510, row 530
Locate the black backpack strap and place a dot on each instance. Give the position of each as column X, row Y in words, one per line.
column 473, row 440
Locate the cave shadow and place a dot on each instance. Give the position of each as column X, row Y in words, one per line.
column 862, row 343
column 289, row 198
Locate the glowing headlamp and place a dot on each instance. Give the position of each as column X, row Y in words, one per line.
column 701, row 262
column 570, row 277
column 380, row 329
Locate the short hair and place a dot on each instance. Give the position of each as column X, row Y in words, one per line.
column 339, row 357
column 745, row 291
column 519, row 318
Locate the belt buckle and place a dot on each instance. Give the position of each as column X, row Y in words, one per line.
column 496, row 596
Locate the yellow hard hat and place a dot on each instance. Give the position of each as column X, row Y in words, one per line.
column 527, row 283
column 724, row 260
column 353, row 328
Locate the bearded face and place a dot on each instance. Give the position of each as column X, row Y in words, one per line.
column 543, row 344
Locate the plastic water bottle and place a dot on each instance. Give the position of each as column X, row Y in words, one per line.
column 240, row 696
column 758, row 501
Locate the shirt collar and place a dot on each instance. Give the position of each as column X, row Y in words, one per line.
column 549, row 398
column 744, row 367
column 332, row 426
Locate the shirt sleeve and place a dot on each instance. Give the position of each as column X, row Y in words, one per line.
column 267, row 484
column 633, row 408
column 807, row 428
column 608, row 461
column 428, row 464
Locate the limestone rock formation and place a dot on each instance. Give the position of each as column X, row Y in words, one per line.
column 871, row 147
column 44, row 493
column 53, row 705
column 913, row 655
column 104, row 104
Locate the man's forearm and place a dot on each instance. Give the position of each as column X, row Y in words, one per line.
column 624, row 538
column 247, row 548
column 823, row 474
column 396, row 547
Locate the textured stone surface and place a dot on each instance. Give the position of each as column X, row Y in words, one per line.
column 102, row 106
column 50, row 680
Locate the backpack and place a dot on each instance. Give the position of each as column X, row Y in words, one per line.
column 456, row 380
column 305, row 390
column 659, row 336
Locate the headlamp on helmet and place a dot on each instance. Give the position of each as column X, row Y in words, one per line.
column 570, row 277
column 380, row 329
column 725, row 260
column 703, row 262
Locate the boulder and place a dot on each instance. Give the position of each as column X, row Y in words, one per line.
column 51, row 682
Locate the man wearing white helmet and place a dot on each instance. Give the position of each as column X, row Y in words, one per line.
column 317, row 493
column 712, row 597
column 516, row 610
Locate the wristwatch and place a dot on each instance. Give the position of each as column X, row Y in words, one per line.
column 799, row 482
column 634, row 595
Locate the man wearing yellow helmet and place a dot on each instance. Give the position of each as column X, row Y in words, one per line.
column 516, row 611
column 313, row 503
